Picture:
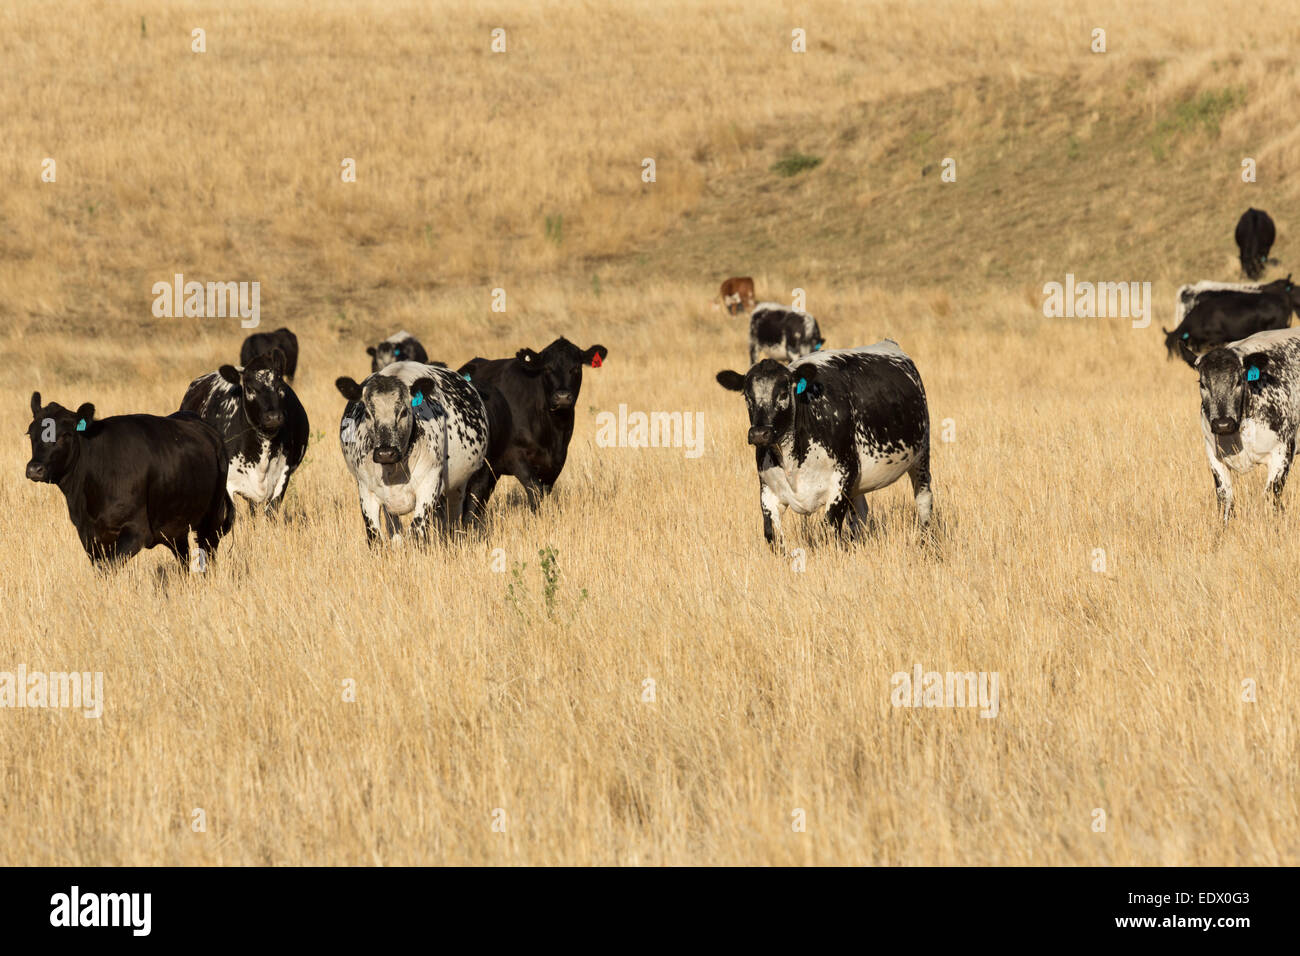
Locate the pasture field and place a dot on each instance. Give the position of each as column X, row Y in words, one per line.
column 1077, row 552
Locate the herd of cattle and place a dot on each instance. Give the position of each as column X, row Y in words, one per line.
column 827, row 425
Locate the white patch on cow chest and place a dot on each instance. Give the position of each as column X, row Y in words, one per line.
column 261, row 480
column 1244, row 449
column 808, row 486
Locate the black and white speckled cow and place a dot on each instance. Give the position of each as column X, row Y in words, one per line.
column 784, row 334
column 261, row 423
column 412, row 436
column 1250, row 408
column 398, row 347
column 833, row 426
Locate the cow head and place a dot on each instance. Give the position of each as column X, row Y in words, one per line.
column 1225, row 385
column 771, row 391
column 559, row 369
column 1178, row 343
column 1287, row 289
column 389, row 406
column 56, row 435
column 389, row 351
column 262, row 391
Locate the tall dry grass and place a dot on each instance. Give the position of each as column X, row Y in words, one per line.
column 1121, row 690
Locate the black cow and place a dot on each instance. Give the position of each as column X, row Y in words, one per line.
column 1255, row 235
column 260, row 420
column 133, row 481
column 1226, row 315
column 832, row 427
column 782, row 333
column 530, row 418
column 398, row 347
column 261, row 343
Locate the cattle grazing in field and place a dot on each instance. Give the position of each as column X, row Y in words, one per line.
column 1250, row 408
column 532, row 417
column 412, row 436
column 738, row 294
column 1222, row 315
column 261, row 423
column 261, row 343
column 398, row 347
column 784, row 334
column 833, row 426
column 133, row 481
column 1255, row 235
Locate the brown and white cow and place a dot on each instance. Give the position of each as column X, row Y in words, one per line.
column 738, row 295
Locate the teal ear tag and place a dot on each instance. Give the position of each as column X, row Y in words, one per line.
column 1252, row 374
column 803, row 383
column 817, row 347
column 1187, row 335
column 417, row 399
column 467, row 378
column 81, row 423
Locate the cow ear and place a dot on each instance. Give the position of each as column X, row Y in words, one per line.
column 1255, row 364
column 1189, row 356
column 348, row 388
column 277, row 360
column 36, row 404
column 731, row 381
column 85, row 415
column 370, row 350
column 421, row 389
column 530, row 360
column 229, row 373
column 595, row 356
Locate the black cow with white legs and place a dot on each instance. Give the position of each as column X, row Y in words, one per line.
column 412, row 436
column 133, row 481
column 260, row 420
column 833, row 426
column 782, row 333
column 1250, row 408
column 530, row 399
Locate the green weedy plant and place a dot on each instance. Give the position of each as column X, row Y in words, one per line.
column 795, row 163
column 518, row 592
column 555, row 228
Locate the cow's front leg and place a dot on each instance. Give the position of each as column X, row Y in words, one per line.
column 859, row 517
column 1222, row 483
column 771, row 505
column 1279, row 464
column 455, row 504
column 428, row 502
column 372, row 512
column 836, row 510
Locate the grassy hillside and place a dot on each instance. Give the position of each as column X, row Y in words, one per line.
column 480, row 689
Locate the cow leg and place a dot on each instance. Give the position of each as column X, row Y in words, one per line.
column 920, row 475
column 375, row 521
column 771, row 505
column 428, row 503
column 859, row 517
column 455, row 499
column 1222, row 482
column 1279, row 464
column 836, row 510
column 534, row 490
column 477, row 492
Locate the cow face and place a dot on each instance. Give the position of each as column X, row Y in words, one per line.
column 384, row 354
column 388, row 409
column 771, row 390
column 559, row 368
column 261, row 385
column 1180, row 344
column 55, row 433
column 1225, row 379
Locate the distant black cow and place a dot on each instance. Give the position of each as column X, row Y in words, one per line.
column 832, row 427
column 133, row 481
column 260, row 343
column 1255, row 235
column 530, row 416
column 398, row 347
column 783, row 333
column 1226, row 315
column 260, row 420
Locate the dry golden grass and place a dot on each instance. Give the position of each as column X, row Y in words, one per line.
column 1120, row 690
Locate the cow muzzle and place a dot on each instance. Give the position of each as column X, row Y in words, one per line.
column 386, row 455
column 1223, row 426
column 561, row 400
column 271, row 421
column 761, row 435
column 36, row 471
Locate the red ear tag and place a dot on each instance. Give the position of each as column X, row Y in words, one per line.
column 595, row 361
